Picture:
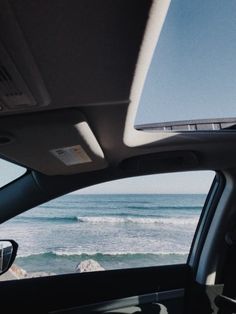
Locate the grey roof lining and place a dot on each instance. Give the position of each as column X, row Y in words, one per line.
column 86, row 51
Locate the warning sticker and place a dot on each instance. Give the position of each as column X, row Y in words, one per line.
column 72, row 155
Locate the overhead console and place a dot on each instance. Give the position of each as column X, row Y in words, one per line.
column 160, row 162
column 21, row 85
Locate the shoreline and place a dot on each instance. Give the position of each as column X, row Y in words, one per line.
column 16, row 272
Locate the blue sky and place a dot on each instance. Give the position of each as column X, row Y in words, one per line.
column 192, row 75
column 9, row 172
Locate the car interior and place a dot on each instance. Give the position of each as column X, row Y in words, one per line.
column 71, row 78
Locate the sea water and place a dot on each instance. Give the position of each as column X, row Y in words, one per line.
column 118, row 231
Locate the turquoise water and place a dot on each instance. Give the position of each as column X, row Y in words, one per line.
column 118, row 231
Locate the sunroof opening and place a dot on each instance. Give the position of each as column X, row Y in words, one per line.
column 193, row 72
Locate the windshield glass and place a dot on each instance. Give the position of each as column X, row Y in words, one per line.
column 9, row 172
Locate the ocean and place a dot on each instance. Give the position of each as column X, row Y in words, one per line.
column 117, row 231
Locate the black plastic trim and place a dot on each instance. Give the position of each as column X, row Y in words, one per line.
column 190, row 125
column 206, row 217
column 44, row 294
column 125, row 302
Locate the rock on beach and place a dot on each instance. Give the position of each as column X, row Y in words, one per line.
column 88, row 265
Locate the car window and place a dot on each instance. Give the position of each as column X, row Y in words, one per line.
column 9, row 172
column 135, row 222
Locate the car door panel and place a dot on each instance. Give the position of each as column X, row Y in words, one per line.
column 160, row 302
column 74, row 291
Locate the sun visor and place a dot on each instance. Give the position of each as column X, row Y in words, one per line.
column 53, row 143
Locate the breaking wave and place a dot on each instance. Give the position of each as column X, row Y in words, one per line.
column 138, row 220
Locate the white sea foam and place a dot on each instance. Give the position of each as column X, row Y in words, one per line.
column 67, row 253
column 24, row 254
column 139, row 220
column 119, row 253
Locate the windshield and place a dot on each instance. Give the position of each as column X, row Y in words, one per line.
column 9, row 172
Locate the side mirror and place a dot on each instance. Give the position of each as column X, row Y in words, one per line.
column 8, row 250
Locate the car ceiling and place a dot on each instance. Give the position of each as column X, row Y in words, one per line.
column 68, row 77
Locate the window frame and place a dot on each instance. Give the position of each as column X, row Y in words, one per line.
column 205, row 220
